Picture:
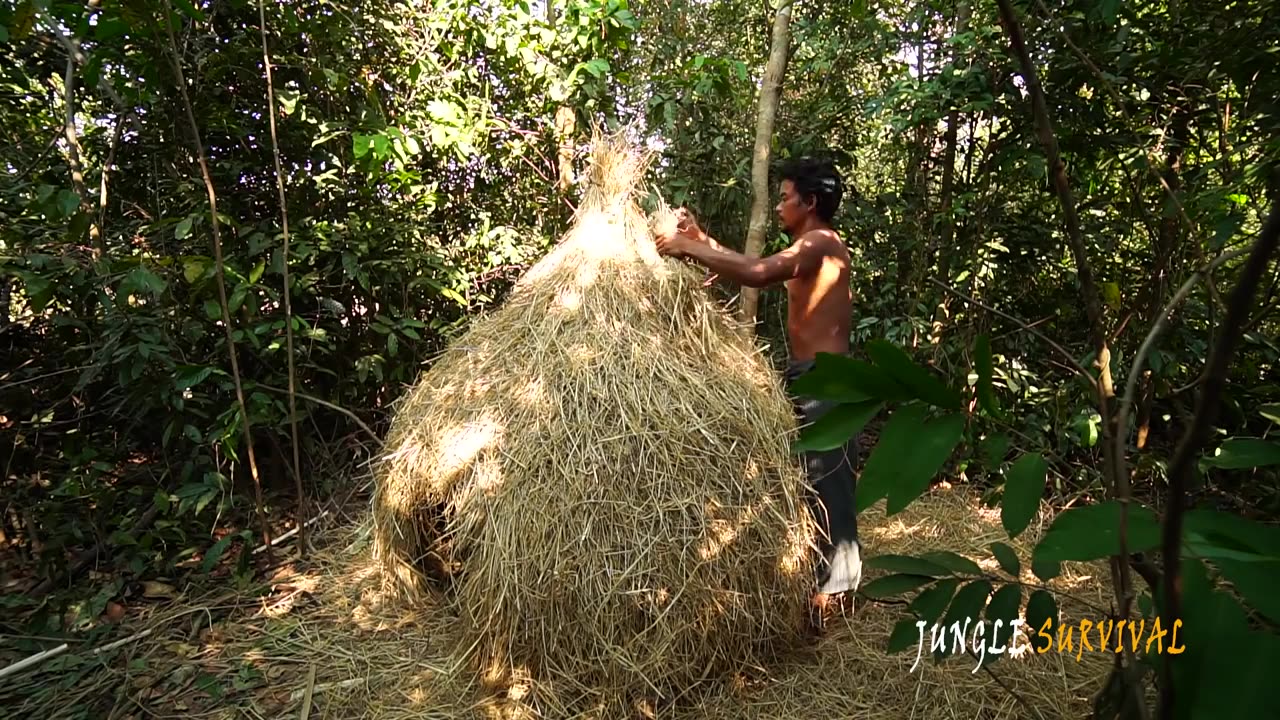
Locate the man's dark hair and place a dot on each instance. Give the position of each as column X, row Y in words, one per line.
column 816, row 178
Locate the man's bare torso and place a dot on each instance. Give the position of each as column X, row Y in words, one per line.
column 821, row 303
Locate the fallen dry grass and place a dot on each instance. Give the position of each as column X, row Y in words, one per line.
column 326, row 639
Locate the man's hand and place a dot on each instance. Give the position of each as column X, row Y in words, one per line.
column 672, row 245
column 686, row 234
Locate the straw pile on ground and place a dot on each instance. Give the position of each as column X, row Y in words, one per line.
column 602, row 466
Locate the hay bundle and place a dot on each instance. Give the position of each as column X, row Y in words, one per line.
column 604, row 461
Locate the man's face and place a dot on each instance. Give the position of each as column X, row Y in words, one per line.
column 791, row 210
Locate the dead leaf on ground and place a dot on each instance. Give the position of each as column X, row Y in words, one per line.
column 158, row 590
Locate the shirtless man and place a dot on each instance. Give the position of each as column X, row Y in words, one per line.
column 815, row 271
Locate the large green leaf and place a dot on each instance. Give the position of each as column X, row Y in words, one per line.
column 830, row 379
column 965, row 610
column 982, row 363
column 1245, row 452
column 953, row 561
column 1230, row 531
column 905, row 635
column 1041, row 607
column 1224, row 667
column 931, row 601
column 1088, row 533
column 1007, row 558
column 1045, row 570
column 1271, row 412
column 1023, row 488
column 909, row 454
column 994, row 447
column 1257, row 582
column 936, row 441
column 1004, row 606
column 923, row 384
column 835, row 428
column 906, row 564
column 892, row 586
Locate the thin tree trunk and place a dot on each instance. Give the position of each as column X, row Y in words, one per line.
column 949, row 164
column 768, row 111
column 565, row 126
column 1112, row 462
column 944, row 248
column 1166, row 246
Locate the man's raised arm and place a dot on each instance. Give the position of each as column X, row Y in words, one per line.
column 796, row 260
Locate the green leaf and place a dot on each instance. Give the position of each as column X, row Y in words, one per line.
column 922, row 383
column 994, row 448
column 1092, row 532
column 188, row 376
column 907, row 564
column 183, row 229
column 1007, row 558
column 211, row 557
column 1045, row 570
column 212, row 310
column 238, row 295
column 143, row 279
column 1257, row 582
column 1245, row 452
column 1041, row 607
column 830, row 379
column 1004, row 606
column 899, row 457
column 1271, row 412
column 287, row 100
column 937, row 439
column 110, row 28
column 930, row 603
column 953, row 562
column 392, row 344
column 189, row 10
column 837, row 426
column 982, row 361
column 194, row 268
column 1086, row 428
column 966, row 608
column 909, row 454
column 1024, row 486
column 892, row 586
column 256, row 273
column 1228, row 530
column 905, row 635
column 68, row 201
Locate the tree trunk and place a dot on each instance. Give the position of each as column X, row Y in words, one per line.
column 949, row 166
column 914, row 249
column 565, row 126
column 1165, row 249
column 768, row 110
column 944, row 248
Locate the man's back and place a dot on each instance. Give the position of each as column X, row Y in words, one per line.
column 820, row 302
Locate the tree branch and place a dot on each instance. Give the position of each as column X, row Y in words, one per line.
column 1206, row 413
column 218, row 266
column 1093, row 307
column 284, row 267
column 1075, row 365
column 1161, row 323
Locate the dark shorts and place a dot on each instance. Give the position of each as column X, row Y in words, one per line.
column 831, row 474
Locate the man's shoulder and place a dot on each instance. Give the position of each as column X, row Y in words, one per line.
column 824, row 240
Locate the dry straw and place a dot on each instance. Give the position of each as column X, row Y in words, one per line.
column 602, row 470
